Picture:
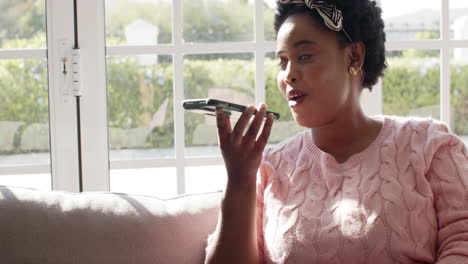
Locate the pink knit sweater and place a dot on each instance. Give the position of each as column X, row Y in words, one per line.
column 402, row 200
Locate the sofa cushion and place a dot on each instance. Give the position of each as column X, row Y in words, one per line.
column 60, row 227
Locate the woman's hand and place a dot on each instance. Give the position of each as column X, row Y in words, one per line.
column 243, row 153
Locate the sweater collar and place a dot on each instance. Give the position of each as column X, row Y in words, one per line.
column 329, row 161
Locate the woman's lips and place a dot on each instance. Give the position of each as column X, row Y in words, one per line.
column 297, row 101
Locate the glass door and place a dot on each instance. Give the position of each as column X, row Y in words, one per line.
column 37, row 120
column 143, row 58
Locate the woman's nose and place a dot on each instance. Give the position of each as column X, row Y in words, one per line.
column 290, row 74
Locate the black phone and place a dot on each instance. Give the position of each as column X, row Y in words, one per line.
column 208, row 106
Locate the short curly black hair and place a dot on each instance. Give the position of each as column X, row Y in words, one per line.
column 362, row 20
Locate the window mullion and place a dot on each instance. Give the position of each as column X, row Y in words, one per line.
column 62, row 109
column 94, row 137
column 445, row 114
column 259, row 52
column 178, row 89
column 7, row 54
column 39, row 169
column 414, row 44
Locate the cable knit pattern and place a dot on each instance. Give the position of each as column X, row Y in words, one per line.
column 402, row 200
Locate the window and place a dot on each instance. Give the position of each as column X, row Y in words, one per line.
column 426, row 53
column 37, row 125
column 140, row 59
column 24, row 117
column 225, row 49
column 219, row 53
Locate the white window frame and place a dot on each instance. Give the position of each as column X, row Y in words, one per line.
column 445, row 45
column 94, row 127
column 63, row 165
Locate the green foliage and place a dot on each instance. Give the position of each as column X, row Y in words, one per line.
column 413, row 53
column 22, row 19
column 459, row 98
column 24, row 97
column 428, row 35
column 269, row 15
column 407, row 87
column 123, row 13
column 37, row 41
column 216, row 21
column 203, row 20
column 24, row 91
column 136, row 92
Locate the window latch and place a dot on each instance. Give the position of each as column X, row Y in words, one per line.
column 76, row 85
column 70, row 68
column 64, row 61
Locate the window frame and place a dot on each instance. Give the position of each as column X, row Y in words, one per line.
column 95, row 165
column 445, row 44
column 63, row 166
column 96, row 169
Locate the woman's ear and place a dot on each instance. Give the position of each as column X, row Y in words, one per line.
column 356, row 53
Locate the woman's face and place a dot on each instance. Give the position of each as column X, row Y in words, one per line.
column 313, row 74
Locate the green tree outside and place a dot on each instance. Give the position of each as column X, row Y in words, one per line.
column 136, row 92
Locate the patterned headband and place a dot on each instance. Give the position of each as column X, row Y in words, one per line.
column 331, row 16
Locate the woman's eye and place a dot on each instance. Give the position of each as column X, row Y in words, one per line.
column 282, row 64
column 304, row 57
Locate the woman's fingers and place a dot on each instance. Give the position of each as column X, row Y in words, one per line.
column 239, row 128
column 263, row 138
column 224, row 126
column 235, row 136
column 256, row 124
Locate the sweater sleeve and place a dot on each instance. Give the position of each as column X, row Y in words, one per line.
column 448, row 175
column 262, row 179
column 265, row 176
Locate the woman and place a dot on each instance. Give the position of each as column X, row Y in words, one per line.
column 352, row 189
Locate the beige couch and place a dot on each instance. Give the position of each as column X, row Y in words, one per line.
column 60, row 227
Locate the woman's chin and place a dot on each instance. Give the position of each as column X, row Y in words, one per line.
column 308, row 121
column 303, row 122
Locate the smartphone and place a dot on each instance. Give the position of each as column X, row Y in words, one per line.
column 208, row 106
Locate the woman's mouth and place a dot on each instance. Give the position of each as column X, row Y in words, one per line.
column 296, row 99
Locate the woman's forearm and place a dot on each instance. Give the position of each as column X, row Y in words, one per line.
column 235, row 239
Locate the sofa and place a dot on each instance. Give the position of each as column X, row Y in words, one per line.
column 103, row 227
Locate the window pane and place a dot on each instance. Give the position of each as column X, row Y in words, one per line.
column 143, row 22
column 35, row 181
column 459, row 19
column 406, row 20
column 159, row 182
column 285, row 127
column 140, row 107
column 459, row 95
column 411, row 83
column 205, row 179
column 228, row 77
column 269, row 9
column 23, row 24
column 24, row 113
column 206, row 21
